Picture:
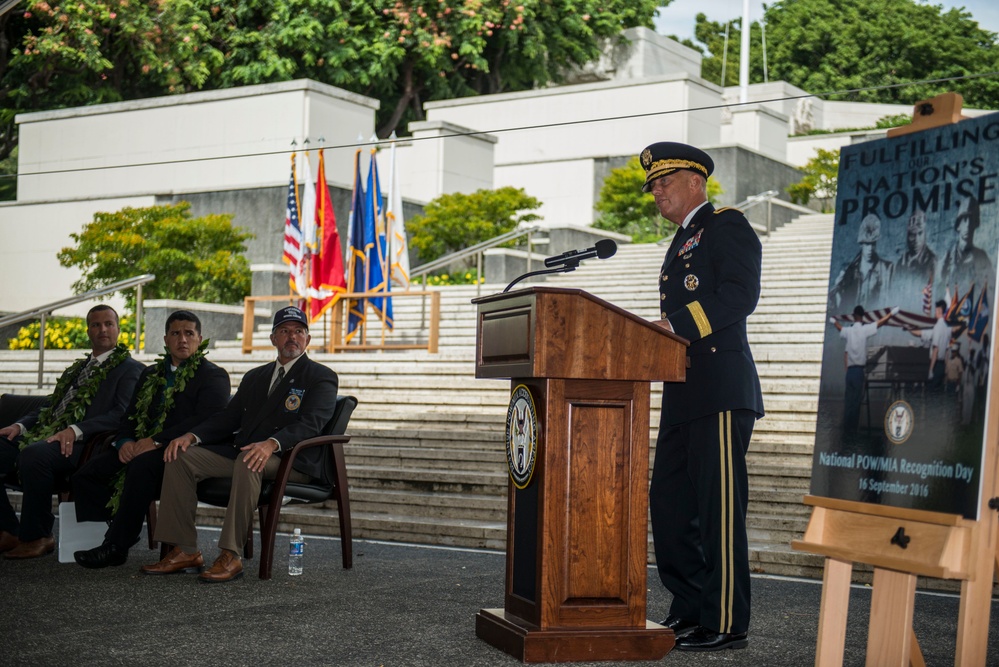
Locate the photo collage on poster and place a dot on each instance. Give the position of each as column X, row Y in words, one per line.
column 908, row 338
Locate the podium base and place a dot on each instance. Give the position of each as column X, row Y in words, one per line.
column 529, row 643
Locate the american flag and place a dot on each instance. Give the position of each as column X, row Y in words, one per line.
column 293, row 240
column 928, row 298
column 902, row 318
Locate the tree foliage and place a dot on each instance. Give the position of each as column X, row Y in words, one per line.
column 196, row 259
column 856, row 45
column 819, row 180
column 625, row 209
column 402, row 52
column 456, row 221
column 55, row 55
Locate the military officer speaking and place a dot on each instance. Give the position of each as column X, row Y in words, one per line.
column 708, row 286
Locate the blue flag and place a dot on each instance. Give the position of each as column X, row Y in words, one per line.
column 980, row 318
column 359, row 249
column 374, row 229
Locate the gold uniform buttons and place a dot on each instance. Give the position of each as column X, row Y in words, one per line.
column 662, row 316
column 662, row 297
column 714, row 349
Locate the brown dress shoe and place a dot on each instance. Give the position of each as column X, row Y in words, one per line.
column 176, row 561
column 225, row 568
column 7, row 541
column 32, row 549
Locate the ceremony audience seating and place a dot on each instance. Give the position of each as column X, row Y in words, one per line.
column 15, row 406
column 274, row 493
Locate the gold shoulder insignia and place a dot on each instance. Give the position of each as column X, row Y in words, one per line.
column 726, row 208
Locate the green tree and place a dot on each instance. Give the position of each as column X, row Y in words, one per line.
column 55, row 55
column 402, row 52
column 842, row 45
column 196, row 259
column 625, row 209
column 819, row 180
column 456, row 221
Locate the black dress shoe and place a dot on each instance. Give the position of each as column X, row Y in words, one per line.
column 103, row 556
column 703, row 639
column 679, row 626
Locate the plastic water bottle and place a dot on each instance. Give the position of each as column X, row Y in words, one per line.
column 296, row 549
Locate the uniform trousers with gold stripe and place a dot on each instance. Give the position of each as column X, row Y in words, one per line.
column 697, row 500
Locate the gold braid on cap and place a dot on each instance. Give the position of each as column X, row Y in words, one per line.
column 677, row 164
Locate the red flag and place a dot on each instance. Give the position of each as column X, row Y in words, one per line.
column 327, row 281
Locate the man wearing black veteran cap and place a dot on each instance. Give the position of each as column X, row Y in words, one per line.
column 276, row 406
column 708, row 286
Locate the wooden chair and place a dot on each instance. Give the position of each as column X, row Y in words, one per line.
column 278, row 491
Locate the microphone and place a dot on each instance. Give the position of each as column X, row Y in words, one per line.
column 603, row 249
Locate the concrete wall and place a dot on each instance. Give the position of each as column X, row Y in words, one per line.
column 554, row 158
column 743, row 173
column 443, row 158
column 218, row 322
column 32, row 235
column 224, row 139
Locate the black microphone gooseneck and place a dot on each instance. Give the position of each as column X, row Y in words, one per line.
column 569, row 260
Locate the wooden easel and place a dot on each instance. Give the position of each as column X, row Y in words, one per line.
column 901, row 543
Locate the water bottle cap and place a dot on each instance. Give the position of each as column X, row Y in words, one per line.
column 298, row 531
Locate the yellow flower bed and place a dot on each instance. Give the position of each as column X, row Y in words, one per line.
column 67, row 333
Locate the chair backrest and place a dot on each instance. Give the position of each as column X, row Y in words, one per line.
column 337, row 425
column 15, row 406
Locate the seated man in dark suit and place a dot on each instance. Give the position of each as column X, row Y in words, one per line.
column 276, row 406
column 182, row 389
column 89, row 397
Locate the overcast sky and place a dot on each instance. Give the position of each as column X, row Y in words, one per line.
column 678, row 18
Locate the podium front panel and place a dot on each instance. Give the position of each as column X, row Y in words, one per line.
column 577, row 536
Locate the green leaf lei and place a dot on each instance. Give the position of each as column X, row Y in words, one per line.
column 46, row 426
column 146, row 427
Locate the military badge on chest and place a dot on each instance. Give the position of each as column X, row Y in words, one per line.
column 690, row 243
column 294, row 400
column 691, row 282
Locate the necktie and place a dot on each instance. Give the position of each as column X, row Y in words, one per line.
column 88, row 370
column 277, row 380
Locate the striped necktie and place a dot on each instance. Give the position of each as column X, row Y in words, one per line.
column 277, row 380
column 81, row 377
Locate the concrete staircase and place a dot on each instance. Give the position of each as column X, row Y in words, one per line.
column 426, row 460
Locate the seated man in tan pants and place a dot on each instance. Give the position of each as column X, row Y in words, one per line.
column 276, row 406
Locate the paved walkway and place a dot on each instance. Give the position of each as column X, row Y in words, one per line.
column 400, row 605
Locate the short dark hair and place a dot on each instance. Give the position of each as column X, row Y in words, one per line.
column 100, row 307
column 858, row 311
column 941, row 304
column 182, row 316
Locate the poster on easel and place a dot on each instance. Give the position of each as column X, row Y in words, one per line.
column 910, row 316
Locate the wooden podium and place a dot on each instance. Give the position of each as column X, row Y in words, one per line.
column 577, row 539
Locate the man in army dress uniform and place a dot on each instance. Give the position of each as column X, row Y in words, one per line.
column 709, row 284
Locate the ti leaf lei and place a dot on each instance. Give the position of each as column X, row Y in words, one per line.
column 46, row 426
column 156, row 380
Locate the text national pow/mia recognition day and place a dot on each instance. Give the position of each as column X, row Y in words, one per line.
column 901, row 418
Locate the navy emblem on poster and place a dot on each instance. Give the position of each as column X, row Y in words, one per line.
column 899, row 422
column 521, row 436
column 907, row 350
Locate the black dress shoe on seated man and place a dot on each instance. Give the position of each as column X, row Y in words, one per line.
column 105, row 555
column 679, row 626
column 703, row 639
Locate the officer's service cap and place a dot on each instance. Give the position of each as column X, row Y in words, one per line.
column 665, row 157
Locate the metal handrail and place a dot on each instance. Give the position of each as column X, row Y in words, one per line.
column 477, row 250
column 769, row 197
column 43, row 312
